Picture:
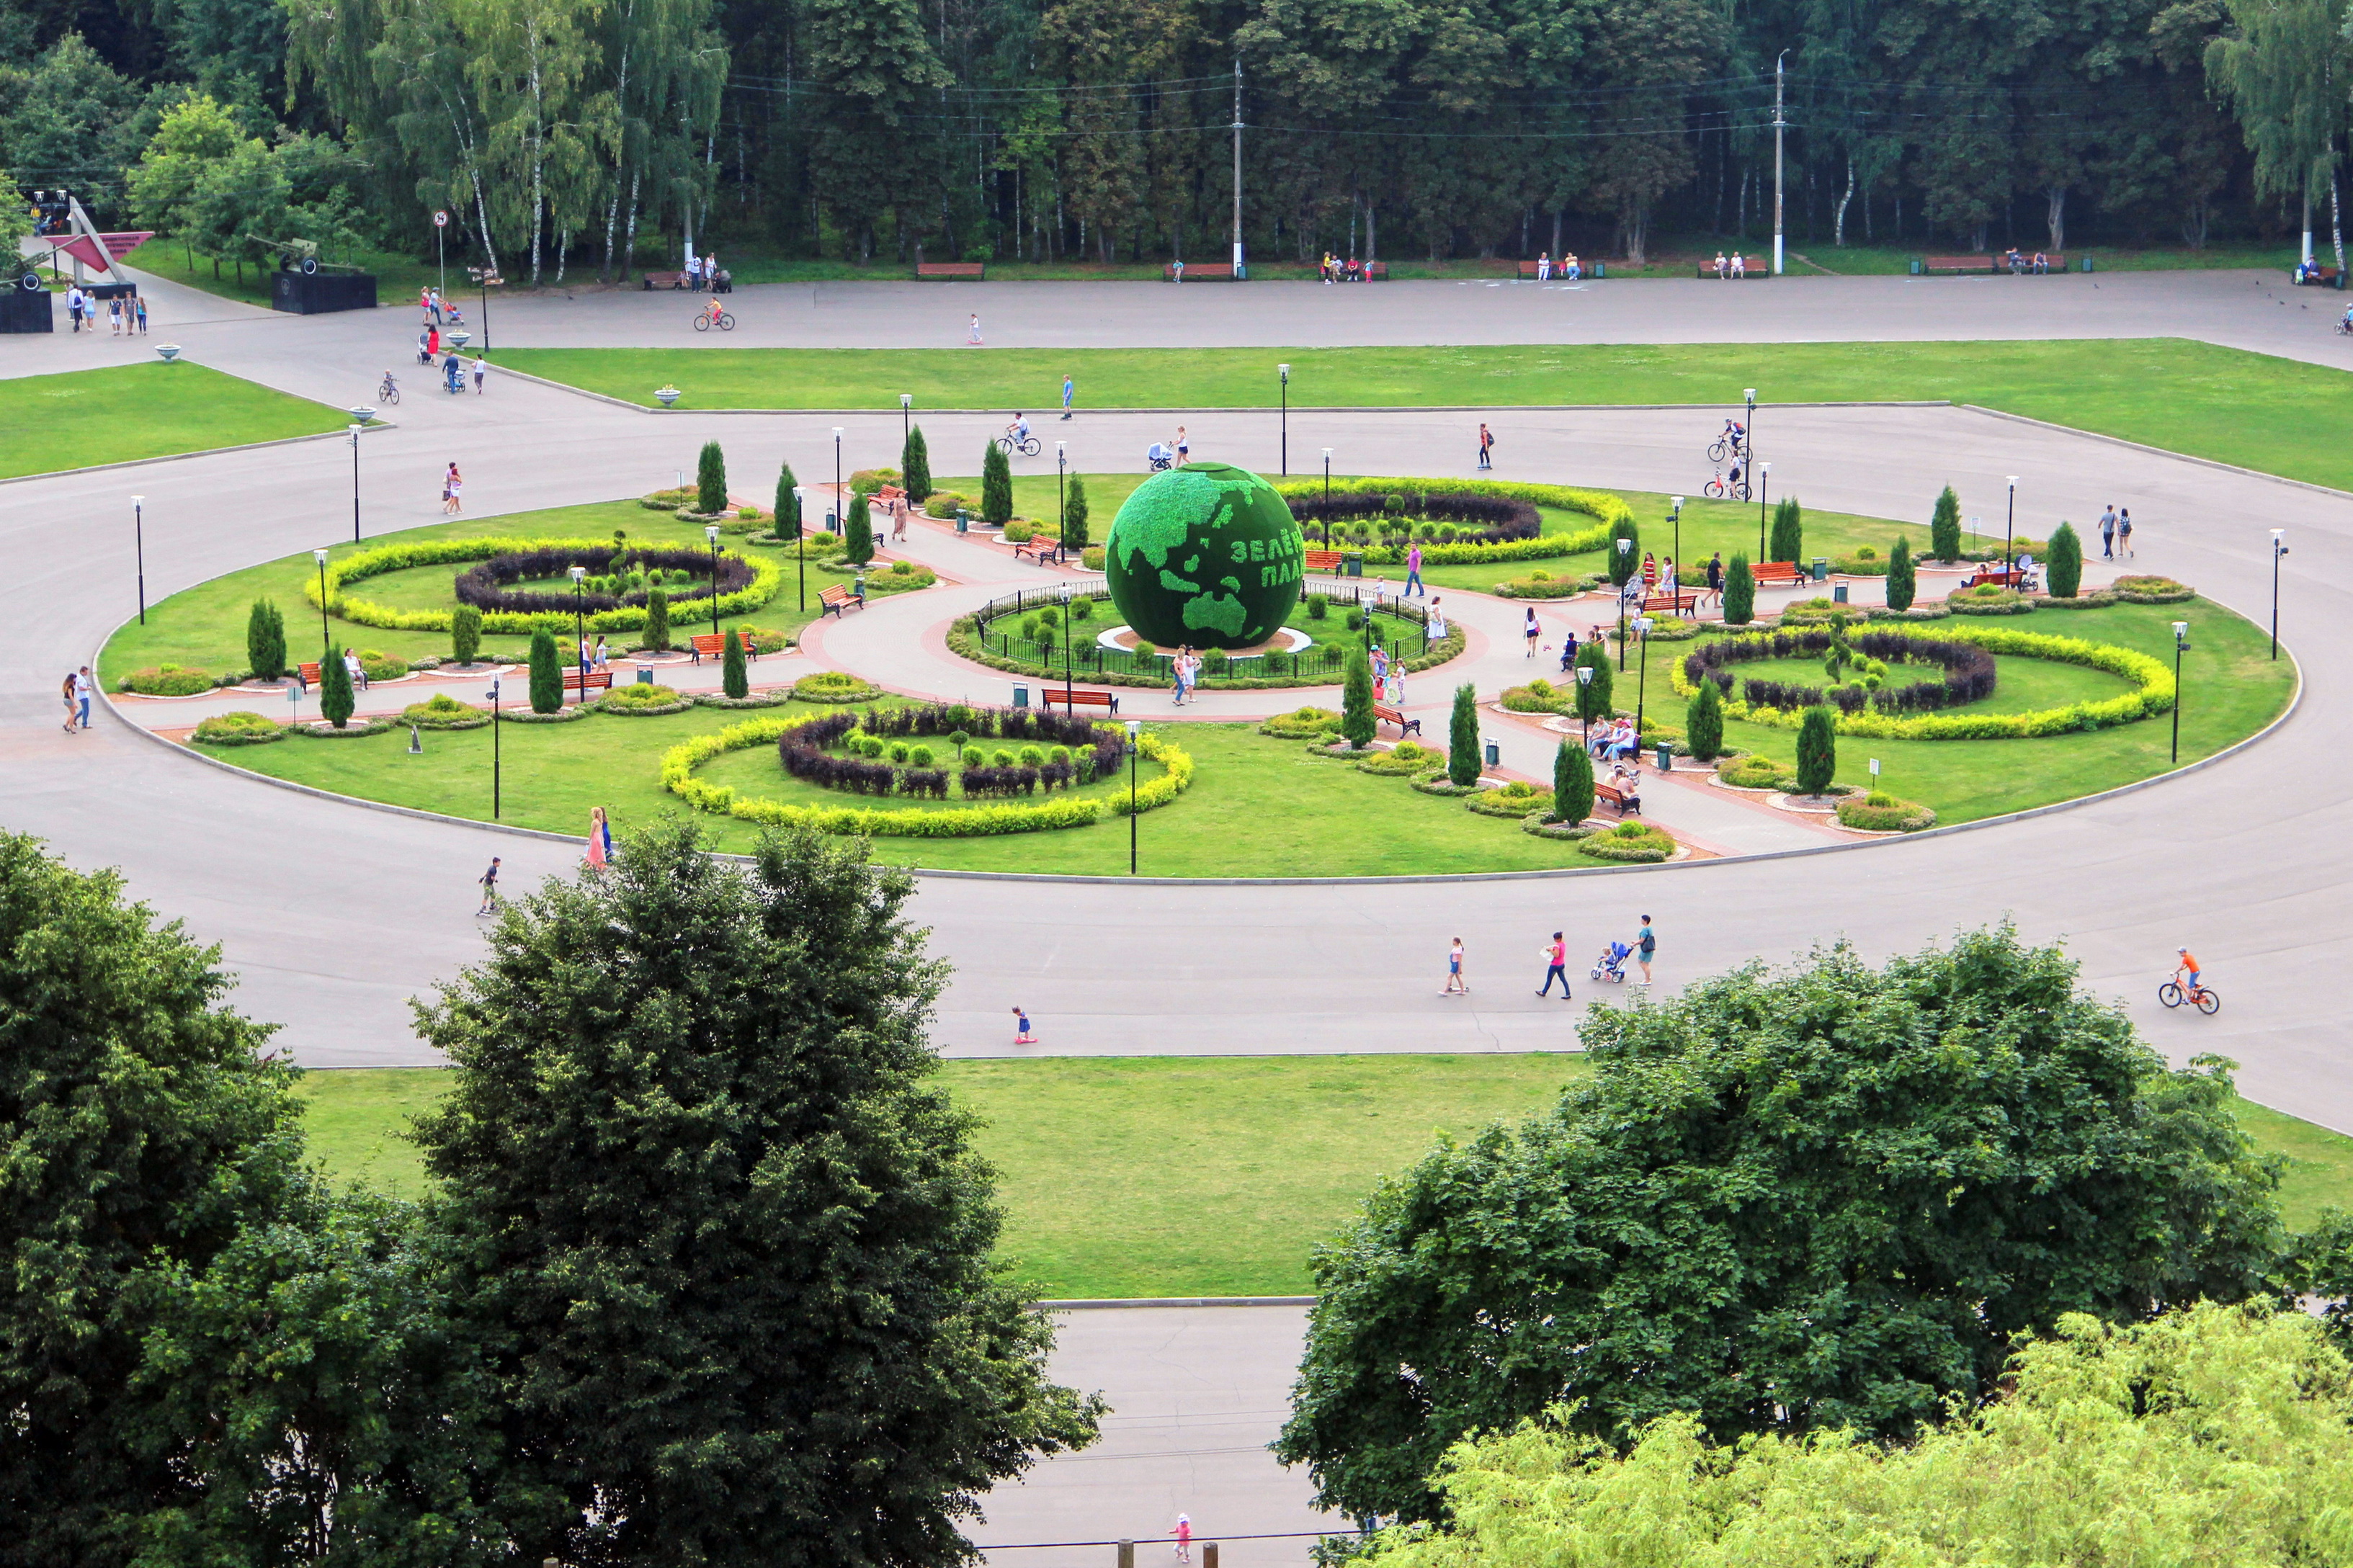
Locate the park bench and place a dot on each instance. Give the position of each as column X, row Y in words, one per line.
column 2326, row 278
column 1074, row 697
column 834, row 600
column 583, row 681
column 714, row 644
column 1041, row 548
column 309, row 674
column 1623, row 799
column 665, row 280
column 1997, row 577
column 1777, row 574
column 1384, row 714
column 1748, row 269
column 1215, row 271
column 1321, row 561
column 1529, row 269
column 1681, row 602
column 946, row 271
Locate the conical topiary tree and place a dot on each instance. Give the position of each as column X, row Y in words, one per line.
column 1356, row 721
column 711, row 479
column 915, row 466
column 1901, row 581
column 996, row 486
column 2064, row 568
column 265, row 640
column 788, row 506
column 657, row 620
column 465, row 634
column 1572, row 782
column 1739, row 592
column 1463, row 737
column 1817, row 751
column 546, row 673
column 334, row 689
column 1703, row 721
column 857, row 533
column 1789, row 531
column 1623, row 564
column 732, row 677
column 1075, row 514
column 1593, row 696
column 1944, row 528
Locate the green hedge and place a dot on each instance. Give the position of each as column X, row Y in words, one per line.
column 241, row 728
column 1606, row 510
column 167, row 681
column 766, row 579
column 1635, row 842
column 443, row 712
column 1880, row 812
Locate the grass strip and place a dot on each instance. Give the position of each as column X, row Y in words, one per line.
column 119, row 412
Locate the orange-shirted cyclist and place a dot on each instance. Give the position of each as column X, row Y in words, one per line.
column 2188, row 967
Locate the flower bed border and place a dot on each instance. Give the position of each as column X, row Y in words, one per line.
column 1606, row 508
column 767, row 580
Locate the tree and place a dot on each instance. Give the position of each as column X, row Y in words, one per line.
column 1739, row 592
column 1817, row 750
column 2064, row 564
column 1593, row 696
column 265, row 640
column 145, row 1128
column 1789, row 531
column 731, row 677
column 465, row 633
column 711, row 480
column 691, row 1119
column 1624, row 563
column 1959, row 1147
column 1357, row 720
column 1703, row 721
column 1903, row 582
column 335, row 700
column 858, row 532
column 1075, row 514
column 996, row 486
column 1462, row 763
column 546, row 673
column 657, row 620
column 1572, row 782
column 194, row 136
column 915, row 466
column 789, row 505
column 2073, row 1437
column 1945, row 527
column 2283, row 69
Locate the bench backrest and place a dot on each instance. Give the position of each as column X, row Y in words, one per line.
column 708, row 642
column 576, row 679
column 833, row 595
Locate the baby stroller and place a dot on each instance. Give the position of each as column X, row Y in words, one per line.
column 1611, row 964
column 1159, row 456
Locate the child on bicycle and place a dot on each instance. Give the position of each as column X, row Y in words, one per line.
column 2188, row 967
column 711, row 312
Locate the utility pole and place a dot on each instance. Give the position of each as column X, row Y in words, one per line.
column 1779, row 125
column 1237, row 166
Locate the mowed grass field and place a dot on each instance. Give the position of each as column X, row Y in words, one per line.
column 2279, row 415
column 78, row 418
column 1175, row 1177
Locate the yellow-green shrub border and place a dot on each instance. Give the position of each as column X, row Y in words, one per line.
column 1607, row 508
column 766, row 579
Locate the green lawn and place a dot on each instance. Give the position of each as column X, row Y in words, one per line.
column 2279, row 415
column 397, row 278
column 2232, row 687
column 79, row 418
column 1194, row 1176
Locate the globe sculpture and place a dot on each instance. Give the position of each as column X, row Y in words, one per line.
column 1205, row 554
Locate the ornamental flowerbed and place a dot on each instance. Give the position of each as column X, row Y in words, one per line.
column 167, row 681
column 644, row 700
column 242, row 728
column 618, row 579
column 1633, row 843
column 834, row 685
column 922, row 751
column 1880, row 812
column 1968, row 670
column 760, row 587
column 2141, row 589
column 443, row 712
column 1606, row 510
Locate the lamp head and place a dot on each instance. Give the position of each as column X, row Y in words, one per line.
column 1285, row 371
column 1134, row 732
column 1677, row 501
column 800, row 493
column 710, row 531
column 1642, row 625
column 1584, row 675
column 1061, row 448
column 1765, row 468
column 837, row 432
column 1327, row 454
column 1624, row 545
column 320, row 556
column 2181, row 634
column 141, row 501
column 2012, row 481
column 906, row 400
column 1749, row 393
column 578, row 575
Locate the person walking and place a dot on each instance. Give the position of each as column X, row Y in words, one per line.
column 1556, row 959
column 114, row 317
column 73, row 306
column 972, row 333
column 1532, row 629
column 481, row 369
column 1646, row 948
column 453, row 493
column 1413, row 571
column 1456, row 985
column 490, row 885
column 84, row 689
column 1184, row 1536
column 1070, row 389
column 1021, row 1035
column 68, row 695
column 599, row 848
column 2124, row 532
column 1184, row 446
column 1486, row 446
column 2108, row 534
column 140, row 305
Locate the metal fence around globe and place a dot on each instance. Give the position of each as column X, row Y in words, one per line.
column 1407, row 635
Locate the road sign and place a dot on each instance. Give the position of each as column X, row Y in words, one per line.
column 440, row 218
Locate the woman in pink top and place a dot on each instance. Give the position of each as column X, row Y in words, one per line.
column 1184, row 1534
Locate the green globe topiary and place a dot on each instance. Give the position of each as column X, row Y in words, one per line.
column 1207, row 555
column 546, row 673
column 1944, row 528
column 1463, row 737
column 1901, row 581
column 1704, row 722
column 711, row 479
column 1817, row 751
column 465, row 633
column 334, row 689
column 2065, row 564
column 915, row 466
column 1739, row 592
column 1572, row 782
column 731, row 678
column 265, row 640
column 1357, row 720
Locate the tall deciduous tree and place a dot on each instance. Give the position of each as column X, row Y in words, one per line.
column 2284, row 68
column 1959, row 1146
column 868, row 60
column 735, row 1251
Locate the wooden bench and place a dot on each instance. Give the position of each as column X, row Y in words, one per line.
column 309, row 676
column 834, row 600
column 583, row 681
column 1778, row 573
column 1041, row 548
column 1212, row 271
column 1624, row 800
column 1748, row 269
column 1681, row 602
column 1377, row 271
column 715, row 644
column 665, row 280
column 1321, row 561
column 1074, row 697
column 944, row 270
column 1997, row 577
column 1384, row 714
column 2326, row 278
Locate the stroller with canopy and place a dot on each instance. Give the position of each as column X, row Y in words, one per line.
column 1611, row 964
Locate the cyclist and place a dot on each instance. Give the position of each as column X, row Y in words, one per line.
column 1018, row 430
column 1735, row 434
column 388, row 388
column 2188, row 967
column 711, row 312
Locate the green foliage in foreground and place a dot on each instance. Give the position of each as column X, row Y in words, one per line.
column 1572, row 782
column 2215, row 1435
column 265, row 640
column 336, row 699
column 1463, row 737
column 711, row 479
column 1783, row 1203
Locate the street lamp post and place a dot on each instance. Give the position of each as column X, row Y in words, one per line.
column 1284, row 371
column 352, row 435
column 711, row 533
column 840, row 504
column 2279, row 548
column 1625, row 549
column 2180, row 646
column 326, row 638
column 1748, row 430
column 140, row 548
column 1061, row 469
column 2009, row 533
column 1585, row 678
column 580, row 628
column 494, row 748
column 1675, row 516
column 1764, row 483
column 906, row 420
column 1642, row 679
column 800, row 542
column 1134, row 732
column 1327, row 498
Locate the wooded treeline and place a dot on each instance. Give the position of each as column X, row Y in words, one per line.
column 569, row 134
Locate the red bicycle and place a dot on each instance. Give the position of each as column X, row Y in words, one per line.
column 2173, row 993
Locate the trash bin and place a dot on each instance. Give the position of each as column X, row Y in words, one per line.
column 1601, row 269
column 645, row 676
column 1353, row 564
column 1494, row 756
column 1821, row 568
column 1916, row 268
column 1666, row 758
column 2087, row 264
column 1020, row 695
column 1837, row 593
column 963, row 521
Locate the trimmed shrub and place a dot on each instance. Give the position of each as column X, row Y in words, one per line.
column 915, row 465
column 731, row 678
column 1880, row 812
column 788, row 510
column 1301, row 724
column 242, row 728
column 1092, row 557
column 1319, row 606
column 1754, row 771
column 1945, row 527
column 711, row 480
column 996, row 486
column 834, row 685
column 1704, row 722
column 1462, row 736
column 1593, row 697
column 382, row 667
column 1739, row 592
column 1622, row 564
column 1075, row 514
column 1901, row 581
column 1817, row 751
column 465, row 634
column 858, row 532
column 1020, row 531
column 169, row 680
column 334, row 689
column 546, row 673
column 2150, row 590
column 265, row 641
column 1789, row 531
column 2063, row 568
column 1407, row 759
column 1633, row 843
column 443, row 712
column 1572, row 782
column 656, row 631
column 1356, row 721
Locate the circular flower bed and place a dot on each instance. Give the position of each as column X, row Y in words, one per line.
column 1301, row 724
column 2150, row 590
column 920, row 751
column 1986, row 599
column 1407, row 759
column 834, row 685
column 1968, row 670
column 242, row 728
column 759, row 586
column 1880, row 812
column 1753, row 772
column 443, row 712
column 167, row 681
column 1517, row 798
column 1543, row 585
column 617, row 578
column 644, row 699
column 1635, row 842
